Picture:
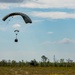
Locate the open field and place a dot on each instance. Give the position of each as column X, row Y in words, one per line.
column 37, row 70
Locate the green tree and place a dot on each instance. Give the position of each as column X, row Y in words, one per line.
column 44, row 60
column 14, row 63
column 62, row 63
column 34, row 63
column 3, row 63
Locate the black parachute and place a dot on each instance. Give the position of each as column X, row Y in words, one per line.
column 24, row 16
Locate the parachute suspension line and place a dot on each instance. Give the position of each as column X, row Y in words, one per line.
column 16, row 35
column 9, row 21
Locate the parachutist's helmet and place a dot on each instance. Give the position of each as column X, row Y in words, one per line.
column 16, row 40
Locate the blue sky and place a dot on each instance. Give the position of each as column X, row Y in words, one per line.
column 52, row 31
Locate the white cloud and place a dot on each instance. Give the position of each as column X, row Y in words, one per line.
column 11, row 1
column 53, row 15
column 50, row 32
column 70, row 4
column 16, row 26
column 63, row 41
column 50, row 4
column 4, row 6
column 66, row 41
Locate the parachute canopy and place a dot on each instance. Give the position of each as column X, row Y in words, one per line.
column 24, row 16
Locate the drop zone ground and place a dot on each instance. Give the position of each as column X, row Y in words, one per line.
column 37, row 70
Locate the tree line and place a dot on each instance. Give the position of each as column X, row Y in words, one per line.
column 45, row 62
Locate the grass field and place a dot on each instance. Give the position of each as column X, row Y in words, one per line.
column 37, row 70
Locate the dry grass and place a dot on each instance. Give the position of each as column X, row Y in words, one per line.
column 37, row 70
